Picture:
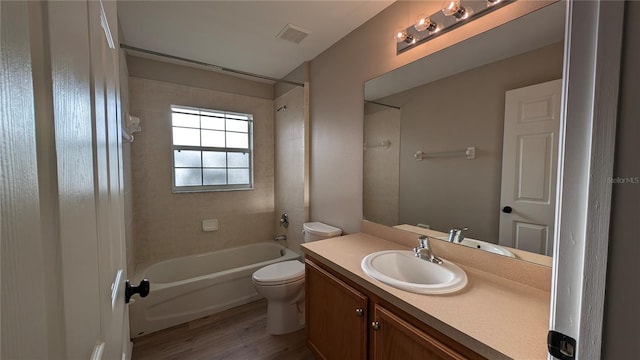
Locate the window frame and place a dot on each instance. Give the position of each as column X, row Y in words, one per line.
column 212, row 188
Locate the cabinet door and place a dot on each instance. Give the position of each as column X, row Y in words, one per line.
column 336, row 317
column 394, row 338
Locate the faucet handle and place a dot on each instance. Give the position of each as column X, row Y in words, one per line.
column 424, row 245
column 424, row 241
column 455, row 234
column 459, row 235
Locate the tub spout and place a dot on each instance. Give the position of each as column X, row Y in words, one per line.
column 280, row 237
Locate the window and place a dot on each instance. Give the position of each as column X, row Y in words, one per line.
column 212, row 150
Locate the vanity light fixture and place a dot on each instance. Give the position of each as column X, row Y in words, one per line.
column 454, row 13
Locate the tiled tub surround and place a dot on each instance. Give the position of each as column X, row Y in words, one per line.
column 289, row 165
column 502, row 313
column 168, row 225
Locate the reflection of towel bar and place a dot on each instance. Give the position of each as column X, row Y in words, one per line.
column 385, row 144
column 469, row 153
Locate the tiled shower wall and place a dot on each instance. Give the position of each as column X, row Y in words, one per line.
column 289, row 173
column 168, row 225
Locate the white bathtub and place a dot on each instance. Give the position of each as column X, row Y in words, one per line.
column 191, row 287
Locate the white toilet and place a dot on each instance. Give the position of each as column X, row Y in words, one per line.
column 282, row 284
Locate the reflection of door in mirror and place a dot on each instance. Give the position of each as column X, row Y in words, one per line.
column 529, row 164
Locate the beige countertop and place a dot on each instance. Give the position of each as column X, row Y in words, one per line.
column 493, row 316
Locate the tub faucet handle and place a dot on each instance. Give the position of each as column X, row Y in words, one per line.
column 284, row 220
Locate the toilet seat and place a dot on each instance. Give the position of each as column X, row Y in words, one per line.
column 280, row 273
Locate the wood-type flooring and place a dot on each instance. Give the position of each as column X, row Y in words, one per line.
column 235, row 334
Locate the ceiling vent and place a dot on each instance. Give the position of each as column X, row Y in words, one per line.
column 293, row 33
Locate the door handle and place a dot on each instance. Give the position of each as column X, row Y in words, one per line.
column 507, row 210
column 142, row 289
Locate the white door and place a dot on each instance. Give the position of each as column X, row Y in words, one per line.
column 63, row 253
column 529, row 162
column 84, row 75
column 108, row 177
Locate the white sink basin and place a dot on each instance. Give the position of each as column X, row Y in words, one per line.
column 492, row 248
column 402, row 270
column 486, row 246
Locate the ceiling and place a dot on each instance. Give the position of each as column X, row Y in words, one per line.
column 241, row 35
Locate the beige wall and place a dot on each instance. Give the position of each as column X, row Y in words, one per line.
column 337, row 76
column 168, row 225
column 289, row 165
column 297, row 75
column 453, row 113
column 197, row 77
column 621, row 312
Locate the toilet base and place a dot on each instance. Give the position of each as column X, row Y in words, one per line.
column 284, row 318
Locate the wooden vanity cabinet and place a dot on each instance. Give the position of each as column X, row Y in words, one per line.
column 335, row 315
column 394, row 338
column 345, row 322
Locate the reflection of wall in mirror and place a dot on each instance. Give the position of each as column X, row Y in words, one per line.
column 453, row 113
column 381, row 168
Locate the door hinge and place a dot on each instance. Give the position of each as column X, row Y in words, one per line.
column 561, row 346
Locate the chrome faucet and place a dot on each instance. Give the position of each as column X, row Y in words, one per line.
column 455, row 235
column 423, row 250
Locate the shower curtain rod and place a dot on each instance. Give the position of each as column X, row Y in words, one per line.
column 215, row 67
column 382, row 104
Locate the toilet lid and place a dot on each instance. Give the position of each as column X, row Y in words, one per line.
column 280, row 273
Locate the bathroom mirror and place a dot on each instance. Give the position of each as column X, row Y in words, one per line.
column 434, row 132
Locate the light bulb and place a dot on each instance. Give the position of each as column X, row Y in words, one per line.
column 453, row 8
column 424, row 23
column 450, row 7
column 401, row 35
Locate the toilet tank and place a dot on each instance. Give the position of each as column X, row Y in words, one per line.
column 317, row 231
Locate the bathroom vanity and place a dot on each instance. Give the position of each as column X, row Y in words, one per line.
column 345, row 319
column 502, row 313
